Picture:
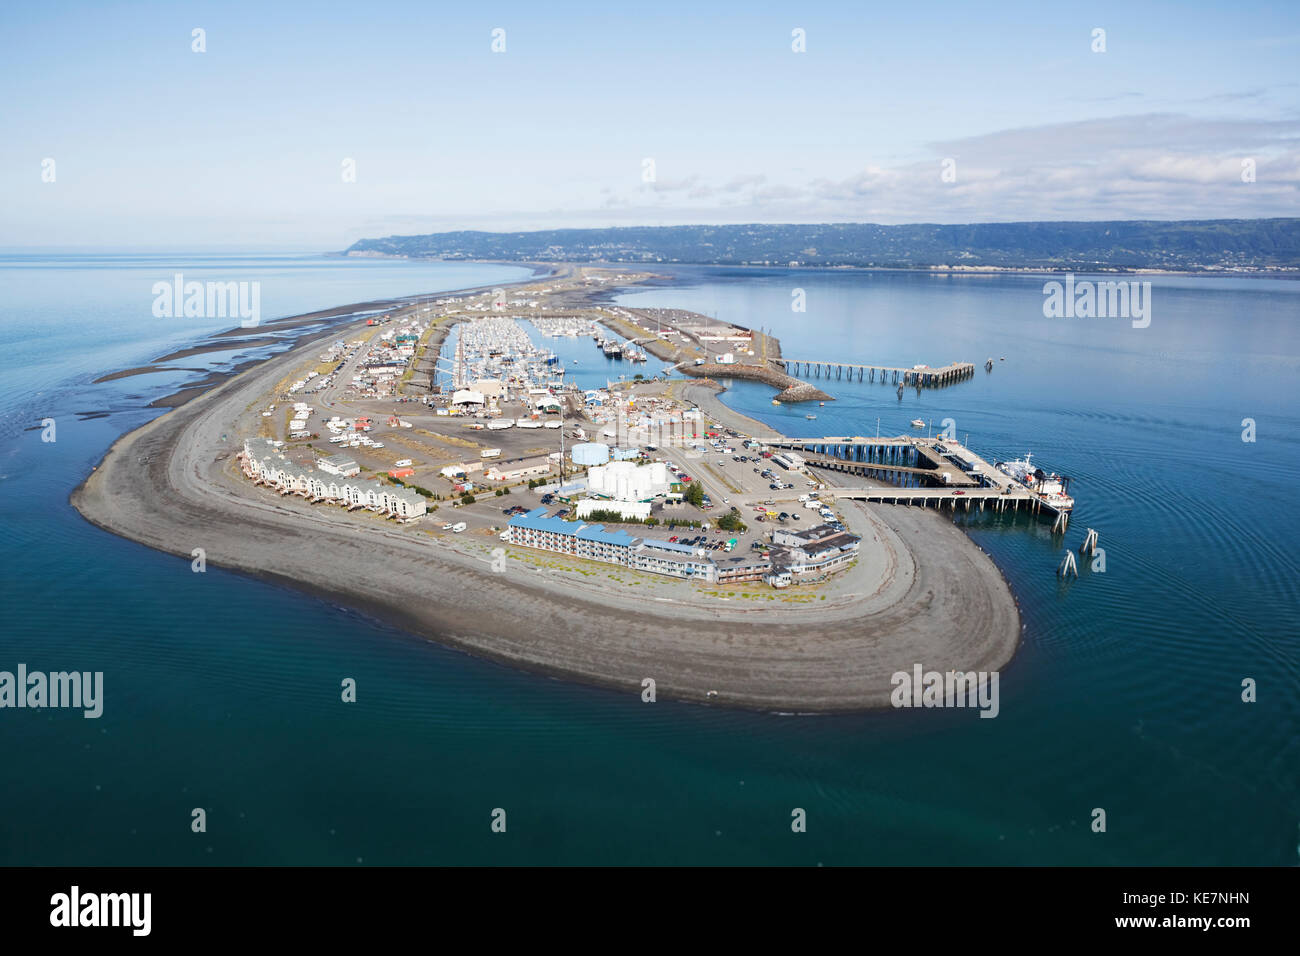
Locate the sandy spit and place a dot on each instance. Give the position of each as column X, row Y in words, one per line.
column 922, row 592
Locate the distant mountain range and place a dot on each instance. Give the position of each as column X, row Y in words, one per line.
column 1207, row 245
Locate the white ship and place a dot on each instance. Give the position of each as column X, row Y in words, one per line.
column 1052, row 489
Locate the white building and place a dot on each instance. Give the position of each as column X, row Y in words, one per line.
column 630, row 510
column 519, row 470
column 628, row 481
column 339, row 465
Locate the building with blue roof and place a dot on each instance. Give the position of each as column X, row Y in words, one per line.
column 673, row 558
column 537, row 529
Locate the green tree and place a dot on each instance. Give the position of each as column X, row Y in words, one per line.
column 731, row 522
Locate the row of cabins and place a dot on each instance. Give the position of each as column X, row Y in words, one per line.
column 809, row 555
column 264, row 463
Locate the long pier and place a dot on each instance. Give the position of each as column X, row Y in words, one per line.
column 980, row 498
column 925, row 377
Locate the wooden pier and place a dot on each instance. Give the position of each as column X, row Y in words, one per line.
column 924, row 377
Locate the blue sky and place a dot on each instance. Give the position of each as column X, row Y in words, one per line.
column 157, row 146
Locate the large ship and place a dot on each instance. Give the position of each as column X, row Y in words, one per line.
column 1052, row 489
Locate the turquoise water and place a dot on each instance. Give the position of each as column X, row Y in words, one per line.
column 221, row 691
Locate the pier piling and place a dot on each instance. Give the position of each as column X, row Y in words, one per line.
column 1067, row 566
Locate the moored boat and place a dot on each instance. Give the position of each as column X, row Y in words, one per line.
column 1052, row 489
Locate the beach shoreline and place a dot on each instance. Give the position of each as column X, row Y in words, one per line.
column 921, row 592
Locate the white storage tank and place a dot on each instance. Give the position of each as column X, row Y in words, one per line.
column 590, row 453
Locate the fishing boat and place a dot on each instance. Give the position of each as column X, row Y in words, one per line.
column 775, row 402
column 917, row 423
column 1052, row 489
column 810, row 417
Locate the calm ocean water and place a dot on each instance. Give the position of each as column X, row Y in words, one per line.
column 222, row 692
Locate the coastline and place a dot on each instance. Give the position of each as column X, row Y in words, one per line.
column 1081, row 269
column 922, row 592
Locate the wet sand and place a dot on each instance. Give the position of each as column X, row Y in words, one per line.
column 921, row 591
column 143, row 370
column 216, row 347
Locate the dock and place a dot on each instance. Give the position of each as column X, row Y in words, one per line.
column 921, row 377
column 929, row 472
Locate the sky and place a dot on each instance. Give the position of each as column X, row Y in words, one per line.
column 119, row 134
